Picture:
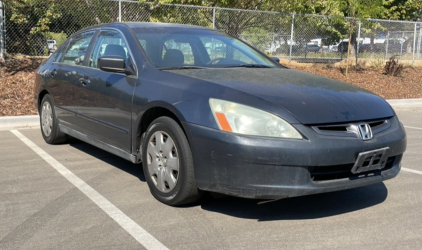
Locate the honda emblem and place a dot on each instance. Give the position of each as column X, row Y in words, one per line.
column 365, row 131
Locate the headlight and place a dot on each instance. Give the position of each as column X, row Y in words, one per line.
column 241, row 119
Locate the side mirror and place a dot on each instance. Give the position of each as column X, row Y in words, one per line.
column 275, row 59
column 115, row 64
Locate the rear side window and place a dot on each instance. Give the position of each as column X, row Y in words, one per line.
column 61, row 51
column 109, row 43
column 75, row 52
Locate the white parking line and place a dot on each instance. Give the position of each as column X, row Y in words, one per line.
column 137, row 232
column 412, row 127
column 412, row 171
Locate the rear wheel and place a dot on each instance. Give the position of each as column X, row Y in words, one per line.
column 49, row 123
column 167, row 163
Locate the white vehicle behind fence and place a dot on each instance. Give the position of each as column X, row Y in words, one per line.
column 52, row 45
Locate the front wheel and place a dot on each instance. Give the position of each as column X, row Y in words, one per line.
column 167, row 163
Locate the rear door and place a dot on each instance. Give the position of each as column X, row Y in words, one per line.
column 106, row 98
column 65, row 75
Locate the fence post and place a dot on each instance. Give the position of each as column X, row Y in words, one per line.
column 401, row 45
column 213, row 18
column 420, row 37
column 386, row 45
column 2, row 37
column 120, row 11
column 273, row 44
column 414, row 46
column 357, row 48
column 291, row 38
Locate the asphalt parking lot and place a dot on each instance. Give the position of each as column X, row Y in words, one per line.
column 75, row 196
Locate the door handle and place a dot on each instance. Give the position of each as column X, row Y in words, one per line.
column 84, row 81
column 53, row 73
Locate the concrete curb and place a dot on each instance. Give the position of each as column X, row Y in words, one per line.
column 406, row 103
column 31, row 121
column 14, row 122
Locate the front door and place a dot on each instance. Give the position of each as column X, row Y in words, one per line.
column 106, row 98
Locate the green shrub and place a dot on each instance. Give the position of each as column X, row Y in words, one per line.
column 46, row 51
column 37, row 44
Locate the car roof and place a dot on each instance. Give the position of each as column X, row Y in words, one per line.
column 162, row 25
column 133, row 25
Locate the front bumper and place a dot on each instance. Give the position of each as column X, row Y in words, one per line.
column 271, row 168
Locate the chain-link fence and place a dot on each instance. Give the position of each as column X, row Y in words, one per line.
column 41, row 26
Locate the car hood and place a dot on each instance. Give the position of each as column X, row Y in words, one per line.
column 312, row 99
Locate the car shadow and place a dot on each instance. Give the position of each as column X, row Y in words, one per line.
column 300, row 208
column 130, row 168
column 297, row 208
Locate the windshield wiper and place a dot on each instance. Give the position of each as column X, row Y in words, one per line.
column 248, row 66
column 183, row 67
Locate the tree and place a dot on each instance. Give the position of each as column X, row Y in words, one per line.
column 28, row 20
column 235, row 22
column 356, row 10
column 40, row 13
column 402, row 9
column 288, row 6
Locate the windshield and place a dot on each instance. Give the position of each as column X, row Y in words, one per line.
column 195, row 48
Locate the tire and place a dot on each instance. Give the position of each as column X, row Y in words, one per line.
column 49, row 123
column 168, row 166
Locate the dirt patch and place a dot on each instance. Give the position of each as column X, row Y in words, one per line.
column 17, row 87
column 17, row 82
column 408, row 85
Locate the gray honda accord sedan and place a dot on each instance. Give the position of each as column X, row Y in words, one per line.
column 204, row 111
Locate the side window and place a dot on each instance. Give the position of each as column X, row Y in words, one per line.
column 75, row 52
column 61, row 52
column 177, row 51
column 109, row 43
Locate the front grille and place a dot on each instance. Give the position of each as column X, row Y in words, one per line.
column 339, row 128
column 377, row 125
column 336, row 172
column 347, row 129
